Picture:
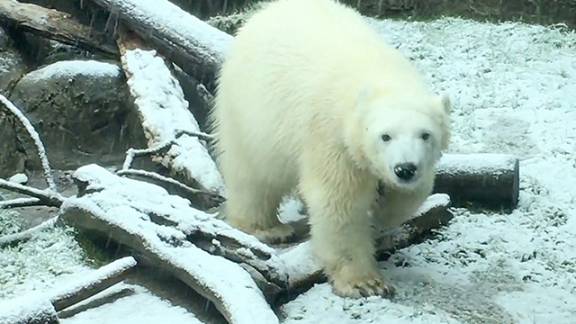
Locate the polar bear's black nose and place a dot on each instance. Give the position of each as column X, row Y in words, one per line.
column 405, row 171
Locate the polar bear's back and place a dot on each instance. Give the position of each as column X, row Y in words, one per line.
column 293, row 64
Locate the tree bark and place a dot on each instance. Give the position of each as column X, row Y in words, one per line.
column 55, row 25
column 192, row 44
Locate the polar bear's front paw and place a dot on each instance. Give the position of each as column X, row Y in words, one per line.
column 278, row 234
column 363, row 286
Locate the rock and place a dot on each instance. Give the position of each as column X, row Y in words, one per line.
column 82, row 111
column 19, row 178
column 12, row 65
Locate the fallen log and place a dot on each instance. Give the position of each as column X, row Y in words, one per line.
column 164, row 114
column 55, row 25
column 192, row 44
column 489, row 180
column 88, row 285
column 304, row 271
column 42, row 308
column 159, row 228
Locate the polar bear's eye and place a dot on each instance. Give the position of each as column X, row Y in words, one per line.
column 425, row 136
column 385, row 137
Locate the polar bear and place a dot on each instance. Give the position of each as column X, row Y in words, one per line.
column 310, row 97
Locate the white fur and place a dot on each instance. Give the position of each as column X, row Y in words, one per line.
column 304, row 97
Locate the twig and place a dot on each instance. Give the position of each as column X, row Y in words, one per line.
column 10, row 108
column 27, row 234
column 20, row 202
column 200, row 135
column 200, row 198
column 133, row 153
column 46, row 196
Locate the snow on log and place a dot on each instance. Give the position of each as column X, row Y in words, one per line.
column 41, row 308
column 53, row 24
column 163, row 229
column 46, row 197
column 304, row 271
column 164, row 113
column 491, row 180
column 192, row 44
column 89, row 284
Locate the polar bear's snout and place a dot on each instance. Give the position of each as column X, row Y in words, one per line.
column 405, row 171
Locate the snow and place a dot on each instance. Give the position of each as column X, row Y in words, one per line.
column 141, row 307
column 433, row 201
column 486, row 163
column 19, row 178
column 72, row 68
column 164, row 112
column 37, row 264
column 513, row 89
column 26, row 310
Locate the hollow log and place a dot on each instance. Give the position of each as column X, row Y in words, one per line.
column 489, row 180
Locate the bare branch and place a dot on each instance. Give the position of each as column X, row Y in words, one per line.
column 20, row 202
column 132, row 153
column 27, row 234
column 9, row 108
column 47, row 197
column 200, row 198
column 201, row 135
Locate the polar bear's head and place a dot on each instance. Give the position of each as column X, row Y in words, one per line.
column 401, row 139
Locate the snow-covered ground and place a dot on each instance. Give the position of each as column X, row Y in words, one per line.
column 513, row 88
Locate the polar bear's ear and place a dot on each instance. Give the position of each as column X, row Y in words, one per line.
column 444, row 107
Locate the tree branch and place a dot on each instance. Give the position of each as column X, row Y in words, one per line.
column 27, row 234
column 20, row 202
column 9, row 108
column 46, row 196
